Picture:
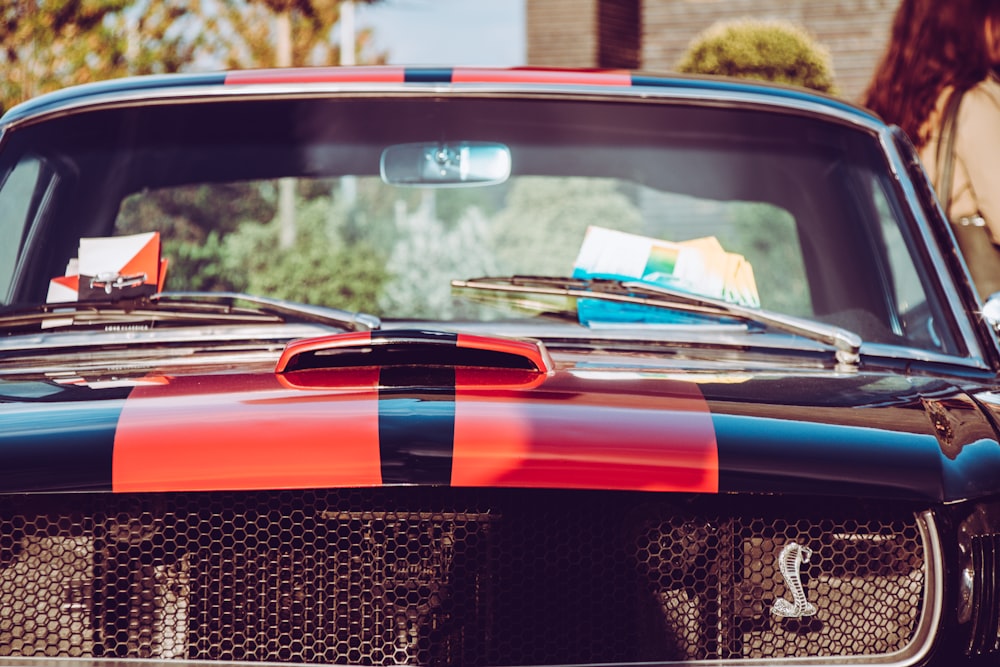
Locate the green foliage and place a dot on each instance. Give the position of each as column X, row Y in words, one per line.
column 43, row 42
column 201, row 267
column 766, row 236
column 429, row 252
column 771, row 50
column 319, row 268
column 190, row 213
column 249, row 28
column 50, row 44
column 225, row 237
column 541, row 214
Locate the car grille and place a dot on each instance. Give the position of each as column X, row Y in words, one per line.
column 454, row 577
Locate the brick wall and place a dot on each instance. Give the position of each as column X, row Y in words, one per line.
column 619, row 42
column 561, row 33
column 568, row 33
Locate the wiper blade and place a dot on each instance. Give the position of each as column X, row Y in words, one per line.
column 302, row 312
column 182, row 307
column 847, row 344
column 131, row 312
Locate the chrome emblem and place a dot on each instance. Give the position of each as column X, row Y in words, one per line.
column 789, row 562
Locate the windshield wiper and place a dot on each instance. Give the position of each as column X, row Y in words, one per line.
column 183, row 307
column 847, row 344
column 288, row 310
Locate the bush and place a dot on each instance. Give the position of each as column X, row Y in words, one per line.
column 771, row 50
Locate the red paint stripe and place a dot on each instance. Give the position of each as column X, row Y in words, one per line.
column 532, row 351
column 658, row 443
column 552, row 76
column 297, row 348
column 317, row 75
column 382, row 74
column 241, row 432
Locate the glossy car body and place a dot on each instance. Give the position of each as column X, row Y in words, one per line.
column 559, row 463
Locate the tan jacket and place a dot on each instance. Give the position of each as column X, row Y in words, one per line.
column 976, row 185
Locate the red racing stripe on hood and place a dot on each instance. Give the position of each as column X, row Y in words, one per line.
column 654, row 443
column 236, row 432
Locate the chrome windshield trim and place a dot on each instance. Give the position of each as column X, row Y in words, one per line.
column 707, row 335
column 207, row 334
column 666, row 92
column 952, row 300
column 896, row 352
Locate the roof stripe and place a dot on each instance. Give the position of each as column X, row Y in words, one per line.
column 428, row 75
column 534, row 75
column 317, row 75
column 746, row 86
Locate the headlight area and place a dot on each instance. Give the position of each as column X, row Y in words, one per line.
column 977, row 576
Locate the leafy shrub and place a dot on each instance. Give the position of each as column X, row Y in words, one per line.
column 320, row 268
column 771, row 50
column 542, row 213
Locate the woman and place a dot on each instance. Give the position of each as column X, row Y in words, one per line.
column 936, row 48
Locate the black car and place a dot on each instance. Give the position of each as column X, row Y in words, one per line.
column 483, row 368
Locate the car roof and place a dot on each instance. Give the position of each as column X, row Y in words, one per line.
column 325, row 79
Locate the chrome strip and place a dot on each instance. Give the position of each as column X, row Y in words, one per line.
column 952, row 299
column 666, row 91
column 203, row 336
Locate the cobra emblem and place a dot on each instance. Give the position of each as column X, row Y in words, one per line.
column 789, row 562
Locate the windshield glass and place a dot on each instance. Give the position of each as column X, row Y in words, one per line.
column 377, row 205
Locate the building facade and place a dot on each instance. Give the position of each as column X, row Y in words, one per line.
column 654, row 34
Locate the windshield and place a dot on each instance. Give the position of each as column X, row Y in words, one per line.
column 379, row 204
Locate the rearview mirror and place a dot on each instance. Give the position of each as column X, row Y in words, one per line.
column 465, row 163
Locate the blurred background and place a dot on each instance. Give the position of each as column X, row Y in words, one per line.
column 49, row 44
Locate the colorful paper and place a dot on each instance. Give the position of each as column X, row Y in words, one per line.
column 111, row 268
column 700, row 266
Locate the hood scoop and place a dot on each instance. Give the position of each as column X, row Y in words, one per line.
column 414, row 348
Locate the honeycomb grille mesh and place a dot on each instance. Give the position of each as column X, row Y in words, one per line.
column 449, row 577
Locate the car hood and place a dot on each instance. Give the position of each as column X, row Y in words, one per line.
column 590, row 425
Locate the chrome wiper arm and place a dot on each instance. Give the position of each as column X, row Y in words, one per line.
column 355, row 321
column 590, row 288
column 846, row 344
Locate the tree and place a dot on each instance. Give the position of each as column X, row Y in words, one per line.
column 45, row 41
column 50, row 44
column 542, row 213
column 771, row 50
column 428, row 253
column 319, row 268
column 255, row 40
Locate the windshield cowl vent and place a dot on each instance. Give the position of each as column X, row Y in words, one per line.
column 414, row 348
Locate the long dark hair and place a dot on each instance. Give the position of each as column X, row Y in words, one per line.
column 933, row 44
